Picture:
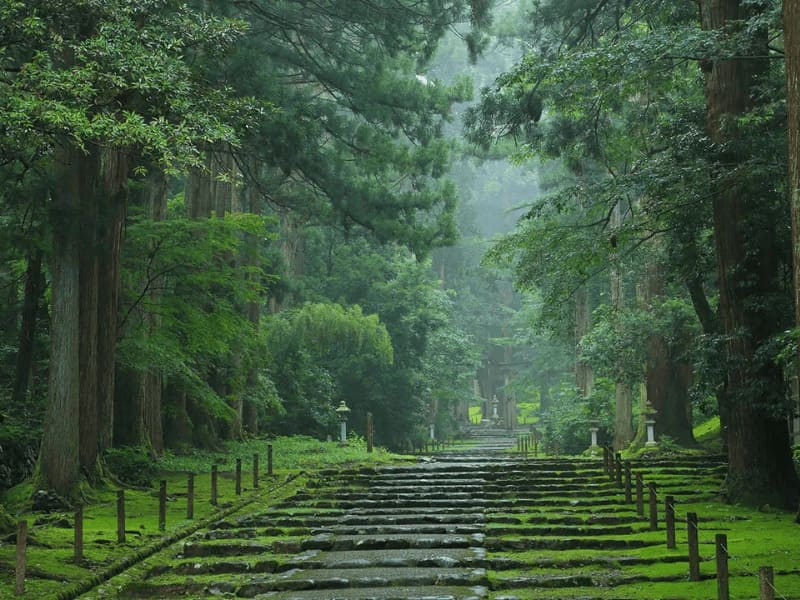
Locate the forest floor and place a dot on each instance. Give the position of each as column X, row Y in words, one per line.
column 475, row 520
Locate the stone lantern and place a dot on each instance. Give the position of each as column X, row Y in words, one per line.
column 342, row 411
column 593, row 429
column 650, row 423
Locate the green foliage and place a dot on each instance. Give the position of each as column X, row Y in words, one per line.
column 189, row 280
column 313, row 350
column 131, row 465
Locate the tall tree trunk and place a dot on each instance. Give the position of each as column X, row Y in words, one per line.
column 760, row 467
column 34, row 289
column 137, row 401
column 58, row 458
column 791, row 44
column 584, row 378
column 623, row 404
column 89, row 250
column 667, row 377
column 116, row 168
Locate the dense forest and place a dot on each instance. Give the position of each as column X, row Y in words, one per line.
column 222, row 219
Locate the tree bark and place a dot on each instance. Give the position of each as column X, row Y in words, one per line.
column 34, row 288
column 667, row 377
column 58, row 458
column 113, row 208
column 89, row 252
column 760, row 467
column 584, row 378
column 623, row 405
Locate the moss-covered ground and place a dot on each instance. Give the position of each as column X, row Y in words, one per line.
column 51, row 568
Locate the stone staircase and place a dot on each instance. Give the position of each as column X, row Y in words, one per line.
column 468, row 523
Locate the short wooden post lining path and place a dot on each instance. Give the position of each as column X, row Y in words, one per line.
column 255, row 471
column 21, row 558
column 78, row 543
column 639, row 495
column 238, row 476
column 694, row 546
column 651, row 486
column 120, row 516
column 190, row 497
column 669, row 520
column 628, row 495
column 162, row 505
column 721, row 543
column 766, row 585
column 214, row 485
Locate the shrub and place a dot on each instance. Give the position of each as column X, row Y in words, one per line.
column 132, row 465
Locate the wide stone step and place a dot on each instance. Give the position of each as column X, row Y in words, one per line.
column 543, row 543
column 389, row 529
column 392, row 542
column 405, row 558
column 325, row 579
column 402, row 593
column 349, row 520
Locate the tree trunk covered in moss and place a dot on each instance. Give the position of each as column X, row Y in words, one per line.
column 760, row 467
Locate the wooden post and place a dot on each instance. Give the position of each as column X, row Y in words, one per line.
column 121, row 516
column 22, row 547
column 694, row 546
column 639, row 495
column 269, row 460
column 618, row 470
column 369, row 432
column 190, row 497
column 535, row 448
column 653, row 506
column 628, row 495
column 605, row 460
column 255, row 471
column 78, row 555
column 238, row 476
column 766, row 577
column 669, row 521
column 721, row 542
column 610, row 463
column 213, row 485
column 162, row 505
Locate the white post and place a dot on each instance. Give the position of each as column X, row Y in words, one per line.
column 432, row 431
column 343, row 432
column 593, row 431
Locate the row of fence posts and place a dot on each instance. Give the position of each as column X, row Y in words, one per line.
column 433, row 445
column 22, row 526
column 614, row 468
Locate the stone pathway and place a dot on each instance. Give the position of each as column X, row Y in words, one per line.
column 460, row 526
